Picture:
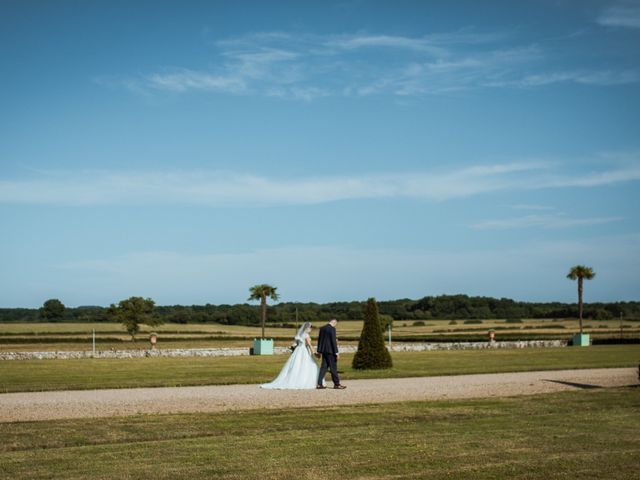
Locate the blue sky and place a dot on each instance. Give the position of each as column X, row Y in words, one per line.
column 338, row 150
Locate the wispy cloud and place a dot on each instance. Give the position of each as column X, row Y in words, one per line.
column 181, row 80
column 342, row 273
column 308, row 66
column 524, row 206
column 623, row 14
column 629, row 172
column 225, row 189
column 543, row 221
column 601, row 78
column 354, row 42
column 216, row 189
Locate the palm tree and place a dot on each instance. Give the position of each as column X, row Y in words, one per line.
column 261, row 292
column 580, row 272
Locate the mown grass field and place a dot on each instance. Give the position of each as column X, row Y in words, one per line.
column 38, row 375
column 77, row 336
column 586, row 434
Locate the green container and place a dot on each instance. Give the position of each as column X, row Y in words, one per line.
column 581, row 340
column 262, row 346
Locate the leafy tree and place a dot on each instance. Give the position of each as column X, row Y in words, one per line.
column 243, row 315
column 603, row 314
column 261, row 292
column 437, row 307
column 52, row 310
column 580, row 273
column 385, row 322
column 132, row 312
column 371, row 354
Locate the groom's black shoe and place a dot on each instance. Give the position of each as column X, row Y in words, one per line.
column 320, row 387
column 339, row 387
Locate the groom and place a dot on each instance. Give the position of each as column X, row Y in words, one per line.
column 328, row 347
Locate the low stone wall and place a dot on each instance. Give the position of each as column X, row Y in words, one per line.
column 420, row 347
column 234, row 352
column 160, row 352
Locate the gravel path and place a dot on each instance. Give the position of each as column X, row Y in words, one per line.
column 120, row 402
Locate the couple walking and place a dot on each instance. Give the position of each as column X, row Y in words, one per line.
column 301, row 371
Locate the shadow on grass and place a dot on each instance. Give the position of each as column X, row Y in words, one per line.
column 583, row 386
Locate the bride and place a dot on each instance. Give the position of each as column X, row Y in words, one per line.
column 301, row 370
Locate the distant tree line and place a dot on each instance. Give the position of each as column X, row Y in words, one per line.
column 428, row 308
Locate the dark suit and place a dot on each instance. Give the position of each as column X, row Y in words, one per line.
column 328, row 347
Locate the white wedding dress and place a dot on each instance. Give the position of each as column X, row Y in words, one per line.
column 300, row 372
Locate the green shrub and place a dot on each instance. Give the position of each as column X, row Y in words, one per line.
column 602, row 314
column 385, row 321
column 453, row 322
column 371, row 354
column 419, row 323
column 513, row 320
column 472, row 321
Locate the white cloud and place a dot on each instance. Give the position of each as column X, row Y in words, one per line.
column 628, row 172
column 183, row 80
column 554, row 221
column 306, row 67
column 343, row 273
column 626, row 14
column 219, row 189
column 354, row 42
column 523, row 206
column 600, row 78
column 461, row 72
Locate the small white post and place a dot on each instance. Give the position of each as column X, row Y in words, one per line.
column 620, row 324
column 94, row 342
column 389, row 336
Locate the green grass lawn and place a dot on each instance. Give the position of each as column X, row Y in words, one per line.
column 34, row 375
column 586, row 434
column 345, row 327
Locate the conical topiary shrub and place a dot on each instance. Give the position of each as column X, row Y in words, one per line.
column 371, row 354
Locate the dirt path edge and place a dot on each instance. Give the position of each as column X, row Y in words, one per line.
column 35, row 406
